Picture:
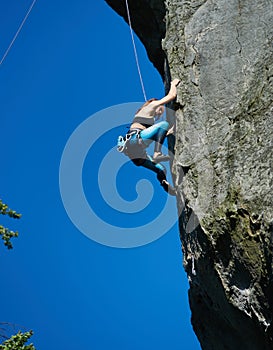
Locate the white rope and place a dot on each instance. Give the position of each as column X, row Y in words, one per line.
column 18, row 31
column 135, row 51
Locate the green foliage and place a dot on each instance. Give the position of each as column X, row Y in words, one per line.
column 5, row 233
column 17, row 342
column 5, row 210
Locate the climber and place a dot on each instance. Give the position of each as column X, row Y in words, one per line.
column 143, row 131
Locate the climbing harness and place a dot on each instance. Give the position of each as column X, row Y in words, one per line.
column 18, row 31
column 134, row 149
column 135, row 50
column 124, row 142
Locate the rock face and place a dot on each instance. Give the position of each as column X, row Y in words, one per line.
column 223, row 53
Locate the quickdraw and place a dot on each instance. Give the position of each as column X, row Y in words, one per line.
column 134, row 150
column 123, row 142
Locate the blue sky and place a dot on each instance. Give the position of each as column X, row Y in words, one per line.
column 72, row 60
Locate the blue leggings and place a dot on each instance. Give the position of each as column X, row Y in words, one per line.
column 155, row 133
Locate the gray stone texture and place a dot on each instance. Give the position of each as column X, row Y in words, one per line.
column 222, row 51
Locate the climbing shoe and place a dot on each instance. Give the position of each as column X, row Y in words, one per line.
column 168, row 188
column 161, row 158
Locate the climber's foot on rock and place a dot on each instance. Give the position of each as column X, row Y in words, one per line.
column 159, row 157
column 168, row 188
column 170, row 131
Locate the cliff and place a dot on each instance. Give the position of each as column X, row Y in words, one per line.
column 223, row 53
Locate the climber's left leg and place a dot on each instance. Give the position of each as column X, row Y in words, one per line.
column 158, row 134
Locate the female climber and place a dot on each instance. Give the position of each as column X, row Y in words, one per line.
column 143, row 131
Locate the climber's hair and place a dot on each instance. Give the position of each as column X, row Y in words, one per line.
column 146, row 104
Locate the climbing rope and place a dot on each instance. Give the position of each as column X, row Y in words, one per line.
column 18, row 31
column 135, row 50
